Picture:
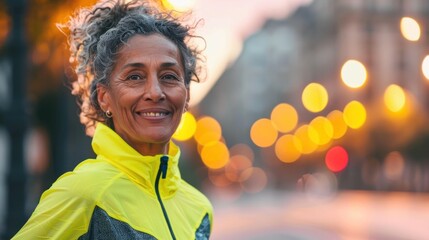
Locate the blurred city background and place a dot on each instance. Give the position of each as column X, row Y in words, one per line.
column 329, row 94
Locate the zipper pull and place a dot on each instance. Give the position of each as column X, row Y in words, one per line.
column 164, row 164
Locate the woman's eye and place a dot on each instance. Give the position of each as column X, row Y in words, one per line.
column 134, row 77
column 169, row 77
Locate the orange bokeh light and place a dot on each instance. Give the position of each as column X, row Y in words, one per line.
column 303, row 133
column 284, row 117
column 208, row 130
column 288, row 148
column 215, row 155
column 324, row 129
column 263, row 133
column 338, row 124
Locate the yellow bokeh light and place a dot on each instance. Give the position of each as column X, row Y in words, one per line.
column 425, row 67
column 186, row 128
column 208, row 130
column 324, row 130
column 410, row 29
column 284, row 117
column 303, row 134
column 179, row 5
column 215, row 155
column 313, row 135
column 354, row 114
column 315, row 97
column 394, row 98
column 339, row 125
column 288, row 148
column 353, row 73
column 263, row 133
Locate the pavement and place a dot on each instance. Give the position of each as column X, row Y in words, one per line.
column 344, row 215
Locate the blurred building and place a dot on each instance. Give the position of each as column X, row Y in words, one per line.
column 312, row 45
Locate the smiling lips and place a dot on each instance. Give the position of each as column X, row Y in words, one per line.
column 154, row 114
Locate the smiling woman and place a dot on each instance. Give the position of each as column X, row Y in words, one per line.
column 147, row 94
column 134, row 69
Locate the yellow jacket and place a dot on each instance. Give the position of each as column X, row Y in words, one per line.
column 121, row 195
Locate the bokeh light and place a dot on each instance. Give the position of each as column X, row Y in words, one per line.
column 263, row 133
column 186, row 128
column 235, row 167
column 288, row 148
column 303, row 134
column 393, row 166
column 242, row 149
column 425, row 67
column 320, row 184
column 285, row 117
column 354, row 114
column 218, row 178
column 394, row 98
column 253, row 180
column 179, row 5
column 339, row 125
column 324, row 130
column 215, row 155
column 4, row 28
column 336, row 159
column 353, row 73
column 41, row 53
column 208, row 130
column 410, row 29
column 315, row 97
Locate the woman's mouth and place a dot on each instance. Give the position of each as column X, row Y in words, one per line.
column 153, row 114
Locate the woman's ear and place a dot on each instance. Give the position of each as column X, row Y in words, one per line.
column 103, row 97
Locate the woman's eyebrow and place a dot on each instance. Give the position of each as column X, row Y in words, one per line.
column 169, row 64
column 133, row 65
column 141, row 65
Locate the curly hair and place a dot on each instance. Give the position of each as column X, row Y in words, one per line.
column 96, row 34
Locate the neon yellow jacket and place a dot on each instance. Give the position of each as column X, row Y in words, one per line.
column 121, row 195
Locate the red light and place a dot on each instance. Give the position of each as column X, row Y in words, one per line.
column 336, row 159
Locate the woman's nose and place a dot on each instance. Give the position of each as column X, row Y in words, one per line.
column 154, row 90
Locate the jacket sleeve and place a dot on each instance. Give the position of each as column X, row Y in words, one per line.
column 64, row 211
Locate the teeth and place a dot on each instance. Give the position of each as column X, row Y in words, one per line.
column 153, row 114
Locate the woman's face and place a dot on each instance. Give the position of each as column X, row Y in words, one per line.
column 147, row 94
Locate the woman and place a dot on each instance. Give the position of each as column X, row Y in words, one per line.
column 134, row 70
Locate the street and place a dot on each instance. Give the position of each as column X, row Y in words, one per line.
column 349, row 215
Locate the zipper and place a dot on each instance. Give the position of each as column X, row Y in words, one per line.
column 163, row 171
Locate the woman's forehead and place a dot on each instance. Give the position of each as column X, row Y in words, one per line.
column 140, row 46
column 149, row 43
column 145, row 49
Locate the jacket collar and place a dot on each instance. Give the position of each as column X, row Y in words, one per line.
column 143, row 170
